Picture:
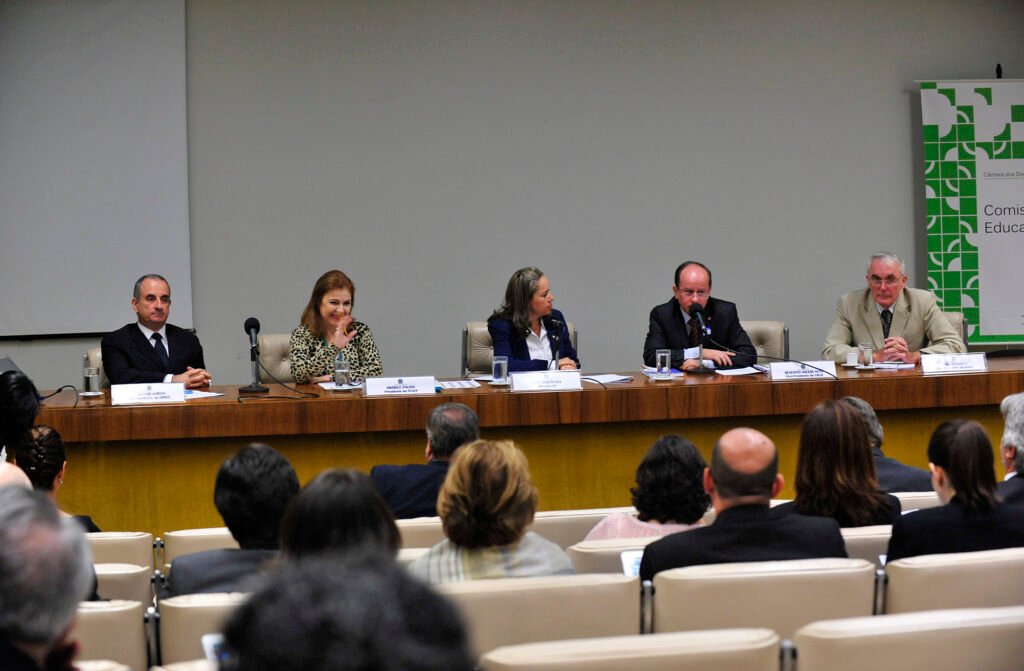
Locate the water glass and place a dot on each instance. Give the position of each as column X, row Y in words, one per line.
column 499, row 370
column 662, row 364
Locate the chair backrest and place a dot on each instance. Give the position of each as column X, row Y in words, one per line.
column 955, row 580
column 122, row 547
column 509, row 611
column 477, row 348
column 604, row 556
column 185, row 619
column 194, row 665
column 770, row 338
column 95, row 356
column 568, row 527
column 779, row 595
column 867, row 542
column 100, row 665
column 984, row 638
column 959, row 323
column 407, row 556
column 187, row 541
column 125, row 581
column 748, row 649
column 275, row 355
column 420, row 532
column 917, row 500
column 112, row 630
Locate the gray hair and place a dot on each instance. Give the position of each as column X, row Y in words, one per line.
column 450, row 426
column 137, row 291
column 867, row 413
column 45, row 568
column 1012, row 408
column 887, row 257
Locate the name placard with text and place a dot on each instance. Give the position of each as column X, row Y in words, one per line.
column 399, row 386
column 147, row 392
column 547, row 380
column 973, row 362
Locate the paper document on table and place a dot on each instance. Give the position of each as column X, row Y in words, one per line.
column 192, row 393
column 458, row 384
column 748, row 370
column 894, row 365
column 607, row 378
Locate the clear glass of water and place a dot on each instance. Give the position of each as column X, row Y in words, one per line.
column 499, row 370
column 662, row 364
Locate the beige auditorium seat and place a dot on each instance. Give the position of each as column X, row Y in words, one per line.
column 112, row 630
column 778, row 595
column 984, row 638
column 100, row 665
column 194, row 665
column 122, row 547
column 125, row 581
column 407, row 556
column 420, row 532
column 568, row 527
column 867, row 542
column 95, row 356
column 917, row 500
column 604, row 556
column 185, row 619
column 477, row 348
column 770, row 338
column 746, row 649
column 275, row 355
column 509, row 611
column 187, row 541
column 955, row 580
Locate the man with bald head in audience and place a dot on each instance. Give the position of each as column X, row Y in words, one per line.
column 1012, row 449
column 742, row 479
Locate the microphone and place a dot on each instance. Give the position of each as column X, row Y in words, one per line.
column 697, row 312
column 252, row 327
column 555, row 333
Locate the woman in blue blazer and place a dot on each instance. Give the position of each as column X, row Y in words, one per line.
column 527, row 329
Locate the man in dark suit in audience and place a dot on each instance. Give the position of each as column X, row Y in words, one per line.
column 411, row 491
column 742, row 479
column 253, row 488
column 893, row 476
column 1012, row 444
column 151, row 350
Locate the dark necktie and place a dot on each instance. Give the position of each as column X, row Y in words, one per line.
column 161, row 351
column 695, row 338
column 886, row 322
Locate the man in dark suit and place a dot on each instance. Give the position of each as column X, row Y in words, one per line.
column 893, row 476
column 742, row 479
column 151, row 350
column 253, row 488
column 411, row 491
column 1012, row 444
column 725, row 342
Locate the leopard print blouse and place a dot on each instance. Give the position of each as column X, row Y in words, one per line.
column 312, row 357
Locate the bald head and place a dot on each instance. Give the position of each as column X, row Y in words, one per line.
column 744, row 465
column 12, row 475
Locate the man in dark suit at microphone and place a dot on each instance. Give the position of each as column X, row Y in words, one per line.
column 675, row 325
column 151, row 350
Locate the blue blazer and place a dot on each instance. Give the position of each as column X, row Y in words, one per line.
column 513, row 345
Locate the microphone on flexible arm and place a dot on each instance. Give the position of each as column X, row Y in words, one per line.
column 555, row 333
column 252, row 327
column 697, row 312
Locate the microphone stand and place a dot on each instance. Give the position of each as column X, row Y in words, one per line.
column 556, row 338
column 254, row 387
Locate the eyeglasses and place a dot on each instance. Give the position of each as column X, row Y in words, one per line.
column 890, row 281
column 694, row 292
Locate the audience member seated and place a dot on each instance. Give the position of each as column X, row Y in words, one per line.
column 963, row 473
column 339, row 512
column 669, row 495
column 835, row 474
column 43, row 459
column 19, row 405
column 12, row 475
column 44, row 574
column 486, row 504
column 742, row 480
column 252, row 491
column 1012, row 446
column 330, row 615
column 411, row 491
column 893, row 475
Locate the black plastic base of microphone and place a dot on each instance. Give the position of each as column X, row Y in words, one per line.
column 699, row 370
column 253, row 389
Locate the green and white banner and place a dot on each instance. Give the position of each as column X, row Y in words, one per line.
column 973, row 133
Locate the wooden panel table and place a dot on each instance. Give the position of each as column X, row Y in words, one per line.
column 152, row 468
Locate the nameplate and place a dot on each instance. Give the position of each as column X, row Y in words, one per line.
column 547, row 380
column 974, row 362
column 147, row 392
column 400, row 386
column 803, row 370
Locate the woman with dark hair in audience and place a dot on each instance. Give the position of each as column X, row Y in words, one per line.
column 669, row 495
column 339, row 512
column 486, row 504
column 835, row 471
column 528, row 329
column 974, row 517
column 44, row 461
column 326, row 328
column 19, row 405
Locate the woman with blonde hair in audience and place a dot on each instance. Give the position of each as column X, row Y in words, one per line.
column 669, row 495
column 973, row 517
column 486, row 504
column 835, row 470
